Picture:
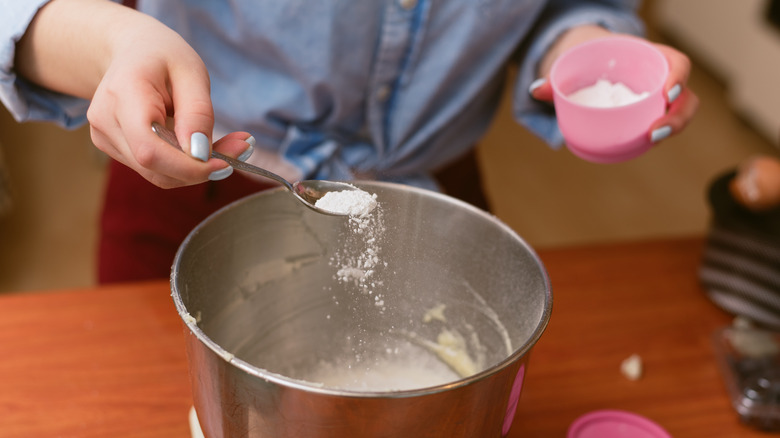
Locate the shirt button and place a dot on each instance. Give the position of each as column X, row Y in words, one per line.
column 408, row 4
column 382, row 93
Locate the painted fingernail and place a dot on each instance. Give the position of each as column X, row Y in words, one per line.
column 199, row 146
column 660, row 133
column 673, row 93
column 536, row 84
column 221, row 174
column 248, row 152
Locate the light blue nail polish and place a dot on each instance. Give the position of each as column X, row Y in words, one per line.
column 221, row 174
column 660, row 133
column 536, row 84
column 248, row 152
column 199, row 146
column 673, row 93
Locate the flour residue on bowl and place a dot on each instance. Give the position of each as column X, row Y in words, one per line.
column 402, row 368
column 414, row 360
column 435, row 313
column 452, row 349
column 450, row 345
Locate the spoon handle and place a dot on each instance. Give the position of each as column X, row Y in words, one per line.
column 246, row 167
column 170, row 138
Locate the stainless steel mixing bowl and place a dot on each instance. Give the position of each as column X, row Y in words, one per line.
column 263, row 311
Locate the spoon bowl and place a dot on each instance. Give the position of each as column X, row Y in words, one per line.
column 307, row 191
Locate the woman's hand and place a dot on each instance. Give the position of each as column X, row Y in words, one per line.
column 153, row 73
column 682, row 103
column 135, row 71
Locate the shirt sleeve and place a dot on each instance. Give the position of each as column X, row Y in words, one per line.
column 24, row 100
column 559, row 16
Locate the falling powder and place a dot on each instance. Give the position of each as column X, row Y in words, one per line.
column 357, row 261
column 417, row 363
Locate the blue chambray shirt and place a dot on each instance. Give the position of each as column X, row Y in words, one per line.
column 340, row 89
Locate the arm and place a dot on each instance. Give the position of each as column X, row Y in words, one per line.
column 59, row 34
column 135, row 70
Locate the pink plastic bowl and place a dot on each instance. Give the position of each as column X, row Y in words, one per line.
column 608, row 135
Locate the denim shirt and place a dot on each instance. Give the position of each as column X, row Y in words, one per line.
column 345, row 89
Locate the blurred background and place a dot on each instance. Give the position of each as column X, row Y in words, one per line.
column 51, row 180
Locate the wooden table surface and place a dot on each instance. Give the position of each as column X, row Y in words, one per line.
column 110, row 361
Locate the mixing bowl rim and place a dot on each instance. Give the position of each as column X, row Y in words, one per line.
column 192, row 324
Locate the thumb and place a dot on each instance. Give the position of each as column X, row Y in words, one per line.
column 541, row 89
column 193, row 112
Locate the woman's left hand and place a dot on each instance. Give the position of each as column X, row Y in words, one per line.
column 682, row 103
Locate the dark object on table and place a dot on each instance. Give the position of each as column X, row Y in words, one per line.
column 750, row 363
column 740, row 268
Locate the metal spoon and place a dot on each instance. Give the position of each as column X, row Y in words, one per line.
column 308, row 191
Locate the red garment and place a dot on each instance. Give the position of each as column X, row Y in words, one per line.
column 143, row 225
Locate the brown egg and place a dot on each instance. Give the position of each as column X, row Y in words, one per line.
column 757, row 183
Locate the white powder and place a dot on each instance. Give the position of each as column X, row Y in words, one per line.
column 408, row 367
column 357, row 261
column 424, row 363
column 355, row 203
column 356, row 265
column 605, row 94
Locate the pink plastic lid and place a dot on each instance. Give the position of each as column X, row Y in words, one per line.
column 615, row 424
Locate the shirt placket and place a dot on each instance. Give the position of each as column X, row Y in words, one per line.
column 401, row 22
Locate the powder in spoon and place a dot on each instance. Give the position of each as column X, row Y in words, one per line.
column 355, row 203
column 605, row 94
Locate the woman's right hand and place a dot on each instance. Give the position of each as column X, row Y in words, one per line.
column 136, row 71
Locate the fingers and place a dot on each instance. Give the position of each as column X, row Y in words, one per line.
column 153, row 74
column 120, row 118
column 104, row 143
column 194, row 115
column 757, row 183
column 541, row 89
column 236, row 144
column 128, row 137
column 679, row 70
column 142, row 86
column 239, row 145
column 682, row 102
column 679, row 114
column 120, row 140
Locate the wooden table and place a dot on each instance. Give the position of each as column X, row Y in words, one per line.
column 110, row 361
